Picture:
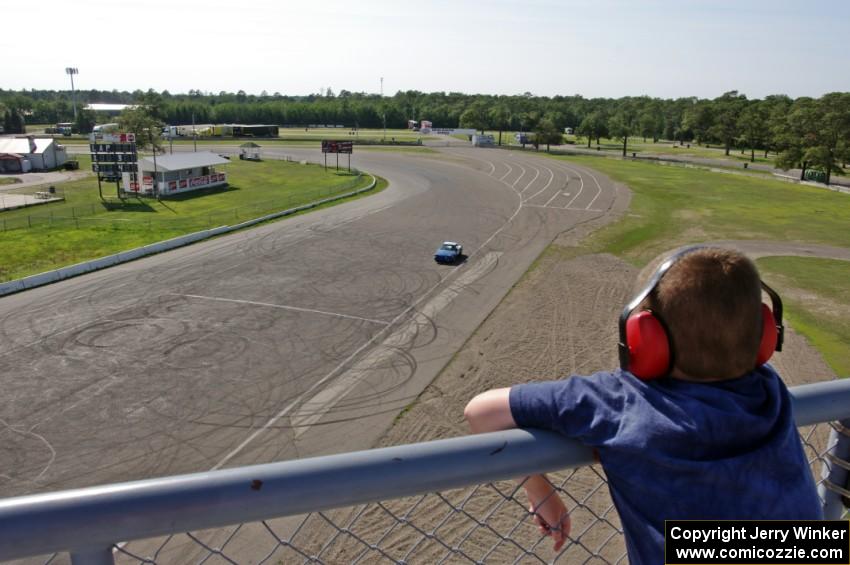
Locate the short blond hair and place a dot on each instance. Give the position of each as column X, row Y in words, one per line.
column 710, row 302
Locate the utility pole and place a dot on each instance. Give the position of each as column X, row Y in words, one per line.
column 71, row 71
column 383, row 110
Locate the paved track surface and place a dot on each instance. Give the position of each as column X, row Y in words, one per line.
column 298, row 338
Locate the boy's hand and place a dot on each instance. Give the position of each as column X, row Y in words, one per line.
column 549, row 511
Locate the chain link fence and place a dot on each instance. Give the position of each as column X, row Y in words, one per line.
column 488, row 523
column 470, row 521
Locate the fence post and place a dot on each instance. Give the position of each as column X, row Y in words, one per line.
column 99, row 556
column 833, row 490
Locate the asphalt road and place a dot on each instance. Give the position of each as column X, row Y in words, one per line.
column 302, row 337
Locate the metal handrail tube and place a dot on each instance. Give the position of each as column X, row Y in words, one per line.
column 101, row 516
column 826, row 401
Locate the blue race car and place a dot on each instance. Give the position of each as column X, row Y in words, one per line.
column 449, row 252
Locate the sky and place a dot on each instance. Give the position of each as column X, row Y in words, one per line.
column 595, row 48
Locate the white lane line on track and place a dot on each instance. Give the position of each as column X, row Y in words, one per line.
column 510, row 170
column 580, row 187
column 312, row 410
column 554, row 196
column 282, row 307
column 551, row 178
column 522, row 174
column 536, row 174
column 595, row 180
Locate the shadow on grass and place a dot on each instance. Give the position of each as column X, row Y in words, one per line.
column 199, row 193
column 127, row 205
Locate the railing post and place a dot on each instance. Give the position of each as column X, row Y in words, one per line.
column 833, row 490
column 99, row 556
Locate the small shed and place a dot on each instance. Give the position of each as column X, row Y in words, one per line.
column 180, row 172
column 249, row 151
column 43, row 153
column 13, row 163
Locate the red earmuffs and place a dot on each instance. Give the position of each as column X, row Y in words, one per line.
column 645, row 347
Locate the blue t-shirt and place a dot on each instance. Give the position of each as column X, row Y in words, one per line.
column 674, row 449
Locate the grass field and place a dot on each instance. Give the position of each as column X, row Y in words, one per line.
column 83, row 227
column 638, row 145
column 673, row 206
column 6, row 181
column 817, row 301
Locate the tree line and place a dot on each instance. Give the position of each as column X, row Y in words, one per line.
column 804, row 132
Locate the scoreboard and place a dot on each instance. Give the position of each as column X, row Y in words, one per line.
column 330, row 146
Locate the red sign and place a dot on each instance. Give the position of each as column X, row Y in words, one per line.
column 172, row 185
column 330, row 146
column 183, row 183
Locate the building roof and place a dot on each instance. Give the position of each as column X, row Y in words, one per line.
column 21, row 145
column 109, row 107
column 180, row 161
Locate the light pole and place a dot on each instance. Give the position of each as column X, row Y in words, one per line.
column 383, row 110
column 71, row 71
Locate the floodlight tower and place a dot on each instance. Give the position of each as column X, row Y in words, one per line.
column 383, row 109
column 71, row 71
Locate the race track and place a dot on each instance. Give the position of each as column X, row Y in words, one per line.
column 302, row 337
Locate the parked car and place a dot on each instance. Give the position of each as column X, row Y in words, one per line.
column 449, row 252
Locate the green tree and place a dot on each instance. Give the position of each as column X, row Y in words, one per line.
column 698, row 119
column 816, row 134
column 727, row 109
column 624, row 123
column 651, row 121
column 475, row 117
column 140, row 121
column 547, row 132
column 793, row 135
column 834, row 130
column 754, row 125
column 85, row 121
column 594, row 125
column 499, row 115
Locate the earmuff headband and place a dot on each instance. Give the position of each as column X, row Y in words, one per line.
column 635, row 302
column 623, row 347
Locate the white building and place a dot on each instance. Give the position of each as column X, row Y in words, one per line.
column 23, row 154
column 111, row 109
column 178, row 172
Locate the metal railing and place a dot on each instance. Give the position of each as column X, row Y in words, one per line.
column 442, row 501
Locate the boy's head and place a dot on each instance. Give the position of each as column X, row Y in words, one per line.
column 710, row 302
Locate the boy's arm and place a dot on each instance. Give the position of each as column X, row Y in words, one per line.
column 491, row 412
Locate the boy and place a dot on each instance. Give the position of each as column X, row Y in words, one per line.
column 710, row 437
